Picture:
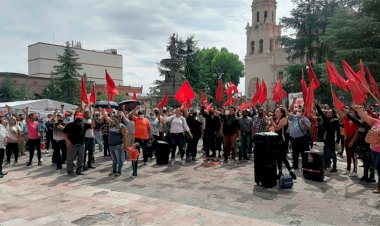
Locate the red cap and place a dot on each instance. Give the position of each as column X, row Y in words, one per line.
column 67, row 113
column 79, row 116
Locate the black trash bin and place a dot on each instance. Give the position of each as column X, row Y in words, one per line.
column 162, row 152
column 265, row 166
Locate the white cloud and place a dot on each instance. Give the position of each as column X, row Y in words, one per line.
column 138, row 29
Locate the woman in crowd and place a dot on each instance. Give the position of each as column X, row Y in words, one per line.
column 14, row 138
column 279, row 124
column 375, row 146
column 117, row 141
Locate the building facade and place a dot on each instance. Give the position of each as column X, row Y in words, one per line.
column 265, row 59
column 43, row 56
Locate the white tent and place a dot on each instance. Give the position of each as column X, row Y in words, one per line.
column 43, row 106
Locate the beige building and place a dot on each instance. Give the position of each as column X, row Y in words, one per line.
column 265, row 59
column 43, row 56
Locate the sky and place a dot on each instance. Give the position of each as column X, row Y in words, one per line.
column 138, row 29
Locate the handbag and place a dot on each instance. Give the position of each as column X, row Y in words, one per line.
column 373, row 136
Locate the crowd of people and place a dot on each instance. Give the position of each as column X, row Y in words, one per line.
column 126, row 135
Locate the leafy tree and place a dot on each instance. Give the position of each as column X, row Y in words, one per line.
column 8, row 91
column 65, row 77
column 309, row 19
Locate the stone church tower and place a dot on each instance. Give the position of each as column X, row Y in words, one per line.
column 265, row 59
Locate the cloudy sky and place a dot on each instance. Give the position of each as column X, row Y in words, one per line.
column 138, row 29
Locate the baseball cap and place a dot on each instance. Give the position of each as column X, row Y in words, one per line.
column 79, row 116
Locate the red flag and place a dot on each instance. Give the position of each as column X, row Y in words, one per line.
column 310, row 100
column 357, row 92
column 263, row 93
column 278, row 93
column 305, row 90
column 335, row 77
column 231, row 89
column 185, row 94
column 134, row 97
column 230, row 101
column 361, row 74
column 313, row 77
column 244, row 106
column 83, row 92
column 93, row 94
column 111, row 87
column 164, row 101
column 219, row 91
column 208, row 107
column 374, row 88
column 337, row 102
column 255, row 97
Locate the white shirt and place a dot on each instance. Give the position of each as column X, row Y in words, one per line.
column 90, row 132
column 3, row 135
column 178, row 124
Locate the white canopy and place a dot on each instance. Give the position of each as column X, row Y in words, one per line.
column 43, row 106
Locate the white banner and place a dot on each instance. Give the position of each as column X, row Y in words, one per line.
column 299, row 99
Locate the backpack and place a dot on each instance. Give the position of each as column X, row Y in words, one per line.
column 285, row 182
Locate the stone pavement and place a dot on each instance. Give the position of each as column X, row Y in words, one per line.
column 194, row 194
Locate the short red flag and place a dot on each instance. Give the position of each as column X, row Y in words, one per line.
column 93, row 94
column 255, row 97
column 357, row 92
column 162, row 103
column 185, row 94
column 374, row 88
column 83, row 92
column 304, row 89
column 134, row 97
column 203, row 98
column 335, row 77
column 229, row 102
column 219, row 91
column 310, row 100
column 313, row 77
column 208, row 107
column 278, row 93
column 244, row 106
column 263, row 93
column 111, row 87
column 361, row 74
column 231, row 89
column 337, row 102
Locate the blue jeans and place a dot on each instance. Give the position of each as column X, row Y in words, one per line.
column 376, row 160
column 89, row 145
column 117, row 158
column 244, row 145
column 99, row 139
column 177, row 139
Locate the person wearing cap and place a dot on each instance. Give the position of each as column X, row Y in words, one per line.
column 142, row 132
column 33, row 136
column 89, row 139
column 58, row 140
column 68, row 117
column 73, row 134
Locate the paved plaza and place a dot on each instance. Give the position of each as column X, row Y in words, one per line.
column 194, row 194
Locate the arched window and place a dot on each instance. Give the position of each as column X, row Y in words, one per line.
column 265, row 16
column 261, row 47
column 252, row 47
column 258, row 17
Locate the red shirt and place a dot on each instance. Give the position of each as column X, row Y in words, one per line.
column 350, row 128
column 32, row 129
column 133, row 153
column 142, row 128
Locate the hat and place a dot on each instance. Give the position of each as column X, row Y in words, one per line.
column 67, row 113
column 79, row 116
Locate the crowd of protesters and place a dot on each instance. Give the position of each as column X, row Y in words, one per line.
column 126, row 135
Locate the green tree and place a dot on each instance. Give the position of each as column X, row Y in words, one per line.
column 309, row 19
column 65, row 76
column 8, row 91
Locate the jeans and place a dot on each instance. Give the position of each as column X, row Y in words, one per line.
column 143, row 144
column 106, row 145
column 177, row 139
column 99, row 139
column 299, row 146
column 281, row 150
column 72, row 151
column 58, row 147
column 330, row 154
column 376, row 160
column 192, row 147
column 89, row 145
column 34, row 144
column 12, row 148
column 245, row 144
column 117, row 158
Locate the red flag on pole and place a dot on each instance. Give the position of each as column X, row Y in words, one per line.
column 164, row 101
column 111, row 87
column 134, row 97
column 219, row 91
column 230, row 101
column 337, row 102
column 255, row 97
column 310, row 99
column 263, row 93
column 203, row 98
column 357, row 92
column 93, row 94
column 313, row 77
column 244, row 106
column 305, row 90
column 361, row 74
column 278, row 93
column 335, row 77
column 231, row 89
column 374, row 88
column 83, row 92
column 185, row 94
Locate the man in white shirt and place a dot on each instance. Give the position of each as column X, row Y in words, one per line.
column 89, row 139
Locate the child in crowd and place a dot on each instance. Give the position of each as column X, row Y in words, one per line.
column 133, row 155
